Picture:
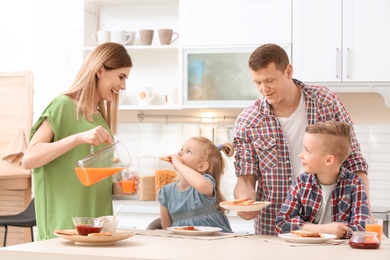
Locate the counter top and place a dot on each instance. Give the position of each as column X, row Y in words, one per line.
column 143, row 246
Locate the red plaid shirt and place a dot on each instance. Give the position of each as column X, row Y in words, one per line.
column 263, row 150
column 348, row 202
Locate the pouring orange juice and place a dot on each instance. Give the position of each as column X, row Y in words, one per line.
column 102, row 164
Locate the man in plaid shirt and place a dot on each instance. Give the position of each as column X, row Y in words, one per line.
column 326, row 198
column 269, row 134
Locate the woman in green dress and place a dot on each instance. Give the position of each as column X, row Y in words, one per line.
column 85, row 114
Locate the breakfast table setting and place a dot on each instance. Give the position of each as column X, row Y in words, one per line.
column 100, row 238
column 167, row 244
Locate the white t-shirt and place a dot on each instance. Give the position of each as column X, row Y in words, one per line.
column 324, row 214
column 294, row 129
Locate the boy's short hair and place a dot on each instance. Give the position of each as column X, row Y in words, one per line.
column 338, row 139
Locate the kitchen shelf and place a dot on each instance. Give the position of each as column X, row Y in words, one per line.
column 132, row 2
column 146, row 48
column 150, row 107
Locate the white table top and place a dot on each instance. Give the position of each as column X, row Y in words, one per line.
column 148, row 246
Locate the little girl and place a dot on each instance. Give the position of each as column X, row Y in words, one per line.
column 194, row 199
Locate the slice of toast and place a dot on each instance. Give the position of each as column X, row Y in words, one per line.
column 301, row 233
column 167, row 159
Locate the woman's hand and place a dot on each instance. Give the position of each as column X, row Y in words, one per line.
column 96, row 136
column 41, row 150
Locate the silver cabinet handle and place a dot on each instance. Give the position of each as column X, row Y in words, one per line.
column 348, row 62
column 338, row 69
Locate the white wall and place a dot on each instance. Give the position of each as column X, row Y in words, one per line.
column 54, row 35
column 17, row 34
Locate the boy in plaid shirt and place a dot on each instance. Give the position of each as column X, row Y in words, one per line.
column 326, row 198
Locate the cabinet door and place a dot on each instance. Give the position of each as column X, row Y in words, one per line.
column 366, row 40
column 235, row 22
column 316, row 40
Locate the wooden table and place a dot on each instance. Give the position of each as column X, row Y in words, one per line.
column 162, row 247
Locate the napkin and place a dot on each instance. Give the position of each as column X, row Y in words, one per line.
column 167, row 233
column 279, row 241
column 15, row 150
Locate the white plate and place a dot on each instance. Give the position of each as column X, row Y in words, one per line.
column 98, row 241
column 258, row 205
column 308, row 240
column 201, row 231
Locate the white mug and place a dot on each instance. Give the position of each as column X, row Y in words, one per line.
column 100, row 37
column 121, row 37
column 143, row 95
column 132, row 39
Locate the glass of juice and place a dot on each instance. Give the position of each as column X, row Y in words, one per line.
column 374, row 225
column 129, row 181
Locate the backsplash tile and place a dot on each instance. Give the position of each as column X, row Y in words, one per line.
column 147, row 141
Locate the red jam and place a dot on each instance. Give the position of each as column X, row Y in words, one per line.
column 85, row 229
column 361, row 245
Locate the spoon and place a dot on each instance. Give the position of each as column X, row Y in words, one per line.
column 116, row 212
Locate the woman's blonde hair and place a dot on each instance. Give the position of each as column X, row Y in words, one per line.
column 83, row 89
column 212, row 155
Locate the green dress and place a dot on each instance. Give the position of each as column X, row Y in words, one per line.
column 59, row 195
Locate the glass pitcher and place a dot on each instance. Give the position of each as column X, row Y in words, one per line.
column 102, row 164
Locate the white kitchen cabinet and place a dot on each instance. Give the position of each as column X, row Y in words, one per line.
column 341, row 41
column 235, row 22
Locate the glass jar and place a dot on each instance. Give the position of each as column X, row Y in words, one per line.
column 364, row 240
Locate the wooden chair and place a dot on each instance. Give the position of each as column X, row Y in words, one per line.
column 25, row 218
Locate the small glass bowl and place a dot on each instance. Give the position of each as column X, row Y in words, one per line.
column 364, row 240
column 87, row 225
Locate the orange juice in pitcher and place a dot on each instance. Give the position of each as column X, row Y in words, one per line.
column 102, row 163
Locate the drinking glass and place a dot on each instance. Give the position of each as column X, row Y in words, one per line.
column 129, row 182
column 375, row 225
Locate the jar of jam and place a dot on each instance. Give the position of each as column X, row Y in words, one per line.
column 364, row 240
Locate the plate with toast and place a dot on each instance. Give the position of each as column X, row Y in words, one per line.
column 308, row 237
column 244, row 205
column 98, row 239
column 195, row 230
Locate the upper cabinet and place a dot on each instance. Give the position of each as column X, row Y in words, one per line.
column 341, row 41
column 235, row 22
column 155, row 66
column 338, row 43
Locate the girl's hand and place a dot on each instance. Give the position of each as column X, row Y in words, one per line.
column 175, row 159
column 96, row 136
